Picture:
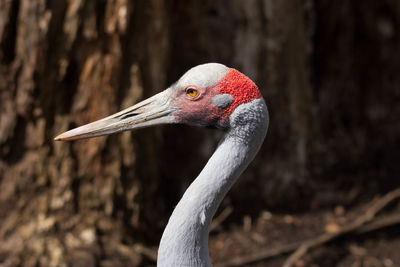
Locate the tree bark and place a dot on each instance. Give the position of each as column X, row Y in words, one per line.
column 328, row 72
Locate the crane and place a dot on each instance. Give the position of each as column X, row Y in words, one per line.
column 210, row 95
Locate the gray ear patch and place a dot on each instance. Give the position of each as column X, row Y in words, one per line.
column 222, row 100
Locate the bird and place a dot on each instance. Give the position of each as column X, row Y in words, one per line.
column 208, row 95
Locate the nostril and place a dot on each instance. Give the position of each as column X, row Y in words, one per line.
column 129, row 115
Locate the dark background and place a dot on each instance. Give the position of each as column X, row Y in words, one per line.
column 328, row 70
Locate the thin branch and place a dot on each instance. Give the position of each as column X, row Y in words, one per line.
column 222, row 217
column 260, row 256
column 149, row 253
column 379, row 223
column 360, row 221
column 363, row 224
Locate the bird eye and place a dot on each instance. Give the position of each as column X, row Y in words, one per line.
column 192, row 92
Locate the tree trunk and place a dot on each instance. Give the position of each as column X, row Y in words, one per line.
column 329, row 74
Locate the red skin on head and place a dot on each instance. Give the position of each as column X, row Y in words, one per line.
column 240, row 87
column 200, row 110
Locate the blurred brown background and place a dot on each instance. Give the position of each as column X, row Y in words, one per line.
column 329, row 71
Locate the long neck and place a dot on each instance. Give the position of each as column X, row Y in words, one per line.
column 185, row 239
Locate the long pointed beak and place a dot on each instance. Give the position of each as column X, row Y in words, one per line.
column 152, row 111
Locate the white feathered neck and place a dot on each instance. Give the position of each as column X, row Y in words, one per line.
column 185, row 238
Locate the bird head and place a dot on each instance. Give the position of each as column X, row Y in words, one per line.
column 206, row 95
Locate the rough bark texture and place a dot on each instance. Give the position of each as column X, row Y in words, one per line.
column 329, row 72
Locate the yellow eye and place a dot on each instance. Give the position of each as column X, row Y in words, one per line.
column 192, row 92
